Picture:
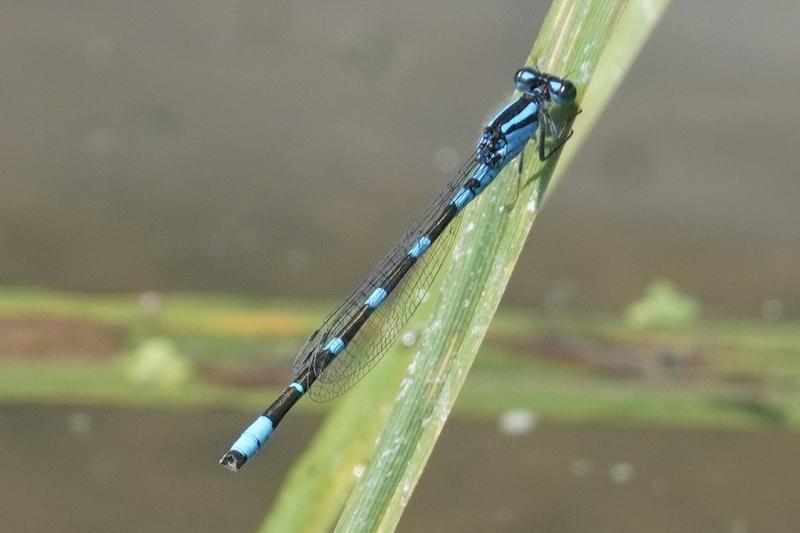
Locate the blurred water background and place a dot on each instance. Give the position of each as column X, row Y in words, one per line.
column 277, row 148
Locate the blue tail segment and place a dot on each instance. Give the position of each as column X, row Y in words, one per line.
column 254, row 437
column 360, row 330
column 249, row 442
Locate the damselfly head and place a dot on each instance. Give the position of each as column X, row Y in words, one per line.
column 535, row 83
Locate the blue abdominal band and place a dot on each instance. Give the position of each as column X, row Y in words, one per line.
column 462, row 198
column 375, row 299
column 254, row 437
column 419, row 247
column 335, row 346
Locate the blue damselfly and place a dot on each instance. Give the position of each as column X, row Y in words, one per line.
column 362, row 328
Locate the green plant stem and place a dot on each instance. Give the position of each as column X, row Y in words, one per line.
column 572, row 39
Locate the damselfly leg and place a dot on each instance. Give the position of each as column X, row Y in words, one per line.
column 557, row 134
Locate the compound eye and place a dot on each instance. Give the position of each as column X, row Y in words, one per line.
column 565, row 93
column 526, row 80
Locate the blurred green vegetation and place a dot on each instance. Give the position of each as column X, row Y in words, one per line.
column 662, row 306
column 223, row 351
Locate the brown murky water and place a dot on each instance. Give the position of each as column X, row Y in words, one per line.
column 78, row 469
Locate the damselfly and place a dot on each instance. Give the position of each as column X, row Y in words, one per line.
column 362, row 328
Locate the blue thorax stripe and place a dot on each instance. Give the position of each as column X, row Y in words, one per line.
column 527, row 111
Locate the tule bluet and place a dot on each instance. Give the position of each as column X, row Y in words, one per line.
column 359, row 331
